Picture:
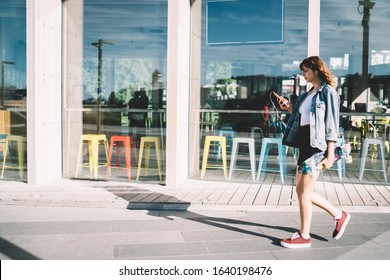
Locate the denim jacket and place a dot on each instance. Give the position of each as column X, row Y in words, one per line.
column 324, row 117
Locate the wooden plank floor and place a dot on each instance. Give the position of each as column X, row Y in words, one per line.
column 214, row 189
column 243, row 191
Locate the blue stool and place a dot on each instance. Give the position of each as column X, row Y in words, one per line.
column 3, row 142
column 264, row 154
column 229, row 133
column 278, row 127
column 340, row 163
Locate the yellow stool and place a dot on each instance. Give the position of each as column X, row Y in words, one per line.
column 146, row 142
column 93, row 141
column 221, row 142
column 21, row 147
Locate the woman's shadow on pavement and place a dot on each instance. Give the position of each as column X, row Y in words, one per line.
column 167, row 205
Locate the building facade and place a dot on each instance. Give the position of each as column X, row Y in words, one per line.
column 74, row 74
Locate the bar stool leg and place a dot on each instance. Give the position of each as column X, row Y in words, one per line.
column 105, row 149
column 341, row 168
column 233, row 159
column 5, row 158
column 383, row 161
column 147, row 158
column 261, row 160
column 281, row 161
column 128, row 157
column 205, row 156
column 110, row 156
column 159, row 159
column 95, row 156
column 90, row 155
column 363, row 157
column 223, row 143
column 20, row 145
column 252, row 152
column 141, row 150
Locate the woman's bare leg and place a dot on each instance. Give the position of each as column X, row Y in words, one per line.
column 323, row 203
column 307, row 197
column 304, row 189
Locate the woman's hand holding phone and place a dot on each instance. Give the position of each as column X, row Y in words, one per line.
column 283, row 102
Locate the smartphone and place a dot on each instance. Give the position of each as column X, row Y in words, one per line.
column 279, row 98
column 277, row 95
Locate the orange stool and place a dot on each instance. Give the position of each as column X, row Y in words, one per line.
column 126, row 140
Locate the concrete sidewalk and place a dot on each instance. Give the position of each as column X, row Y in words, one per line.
column 75, row 233
column 104, row 220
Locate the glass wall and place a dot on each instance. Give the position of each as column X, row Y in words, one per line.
column 13, row 90
column 354, row 44
column 115, row 89
column 248, row 49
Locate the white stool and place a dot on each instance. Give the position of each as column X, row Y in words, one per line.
column 257, row 134
column 251, row 145
column 264, row 154
column 255, row 129
column 364, row 151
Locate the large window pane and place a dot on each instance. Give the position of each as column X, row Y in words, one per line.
column 13, row 90
column 355, row 46
column 354, row 43
column 115, row 85
column 249, row 48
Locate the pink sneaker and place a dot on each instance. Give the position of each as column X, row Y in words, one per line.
column 341, row 224
column 296, row 241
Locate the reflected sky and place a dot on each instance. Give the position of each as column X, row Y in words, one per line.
column 137, row 28
column 139, row 31
column 13, row 43
column 244, row 21
column 341, row 35
column 263, row 58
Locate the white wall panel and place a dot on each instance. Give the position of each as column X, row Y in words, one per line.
column 177, row 91
column 44, row 107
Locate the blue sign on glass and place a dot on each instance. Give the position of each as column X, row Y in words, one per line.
column 244, row 21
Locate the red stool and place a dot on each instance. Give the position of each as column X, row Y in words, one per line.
column 126, row 140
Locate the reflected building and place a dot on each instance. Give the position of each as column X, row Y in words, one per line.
column 206, row 66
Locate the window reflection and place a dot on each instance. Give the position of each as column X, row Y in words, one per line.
column 238, row 77
column 352, row 36
column 121, row 58
column 13, row 91
column 245, row 72
column 236, row 81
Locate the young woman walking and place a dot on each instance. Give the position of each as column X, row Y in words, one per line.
column 313, row 127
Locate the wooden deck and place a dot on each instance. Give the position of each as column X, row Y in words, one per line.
column 242, row 193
